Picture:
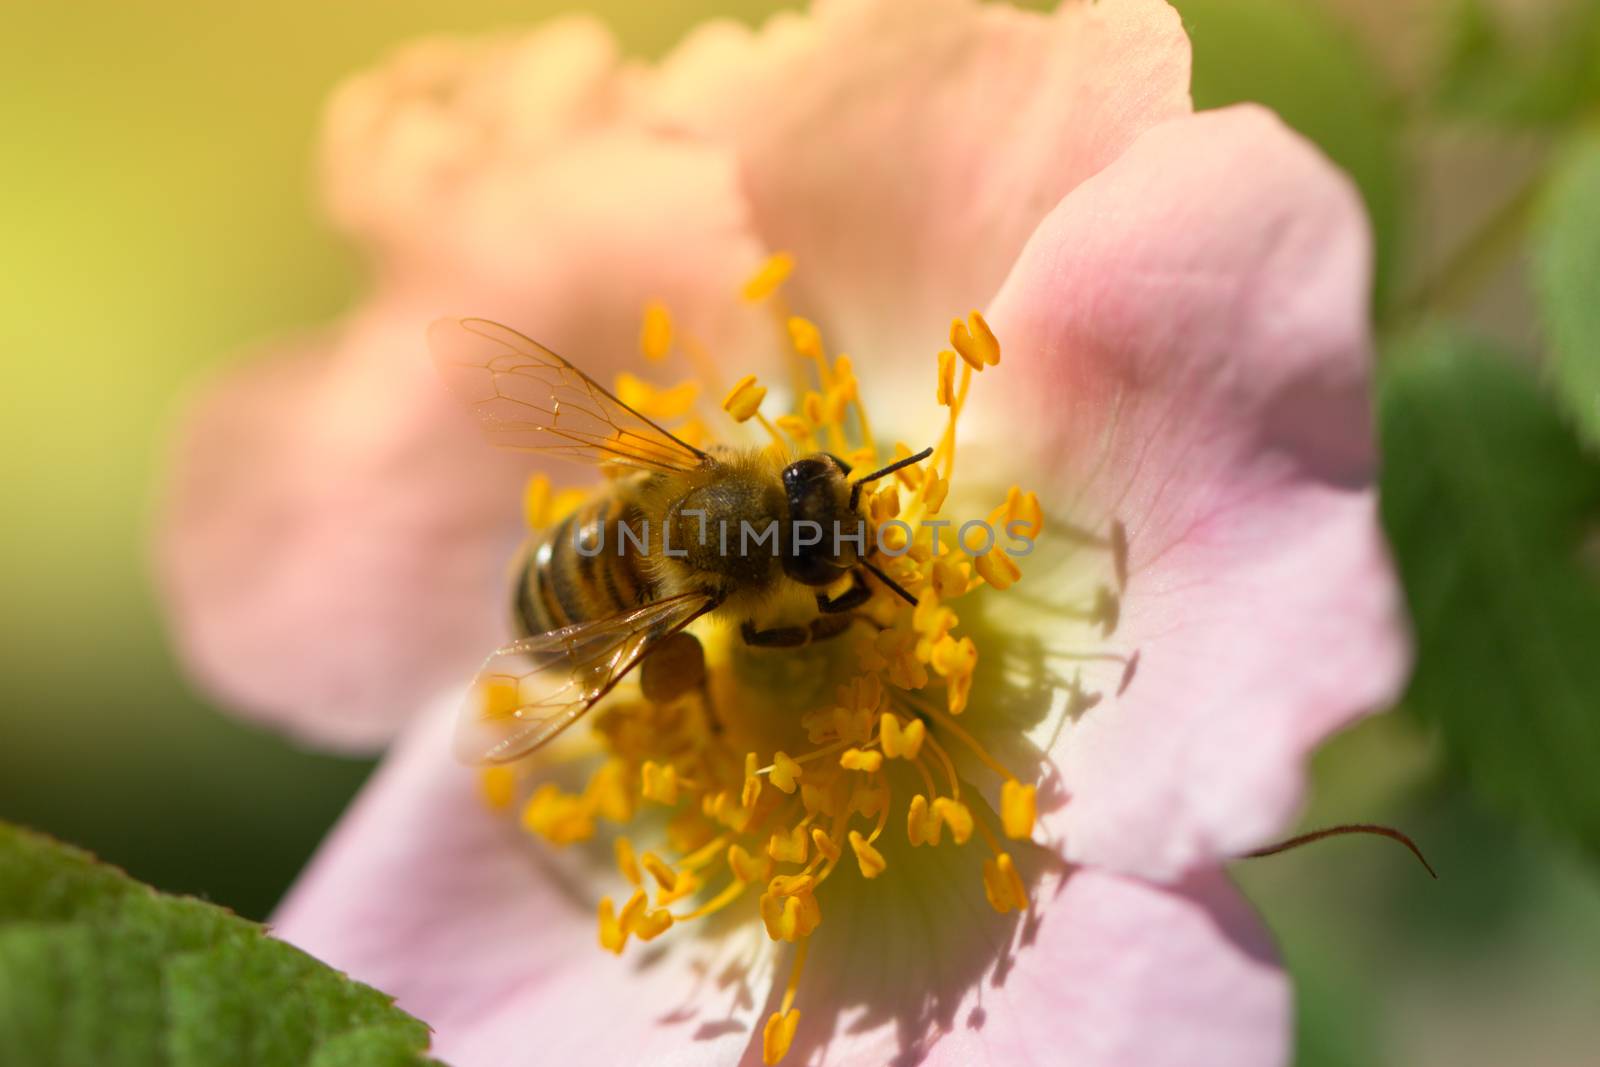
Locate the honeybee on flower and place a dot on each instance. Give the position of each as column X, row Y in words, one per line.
column 981, row 827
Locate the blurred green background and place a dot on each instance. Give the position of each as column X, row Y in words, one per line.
column 158, row 215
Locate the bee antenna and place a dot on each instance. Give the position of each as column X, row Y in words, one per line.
column 855, row 490
column 890, row 582
column 1335, row 831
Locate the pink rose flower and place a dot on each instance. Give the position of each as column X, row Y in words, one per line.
column 1181, row 405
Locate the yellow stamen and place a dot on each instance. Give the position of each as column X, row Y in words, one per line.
column 627, row 863
column 870, row 859
column 778, row 1034
column 855, row 759
column 1003, row 885
column 655, row 335
column 772, row 273
column 1018, row 808
column 498, row 786
column 744, row 399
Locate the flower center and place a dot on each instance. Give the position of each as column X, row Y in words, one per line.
column 779, row 780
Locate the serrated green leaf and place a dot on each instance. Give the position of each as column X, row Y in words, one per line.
column 1566, row 279
column 1545, row 73
column 1295, row 59
column 98, row 969
column 1489, row 501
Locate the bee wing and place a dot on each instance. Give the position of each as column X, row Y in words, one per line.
column 532, row 689
column 529, row 398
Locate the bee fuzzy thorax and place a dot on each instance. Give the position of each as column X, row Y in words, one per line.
column 789, row 779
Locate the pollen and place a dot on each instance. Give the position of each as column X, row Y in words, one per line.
column 743, row 803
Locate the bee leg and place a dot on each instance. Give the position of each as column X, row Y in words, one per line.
column 826, row 626
column 852, row 598
column 777, row 637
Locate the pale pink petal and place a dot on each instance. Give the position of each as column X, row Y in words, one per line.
column 1188, row 352
column 415, row 131
column 336, row 533
column 905, row 149
column 424, row 893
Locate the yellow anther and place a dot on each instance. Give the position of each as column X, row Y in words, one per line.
column 627, row 862
column 998, row 568
column 812, row 405
column 805, row 337
column 612, row 936
column 558, row 817
column 933, row 495
column 771, row 274
column 498, row 785
column 792, row 885
column 686, row 883
column 1018, row 808
column 631, row 911
column 744, row 400
column 789, row 918
column 608, row 792
column 655, row 334
column 947, row 579
column 922, row 824
column 790, row 847
column 958, row 690
column 659, row 783
column 778, row 1035
column 870, row 859
column 886, row 503
column 952, row 657
column 844, row 377
column 664, row 875
column 955, row 815
column 1003, row 885
column 856, row 759
column 901, row 742
column 962, row 341
column 654, row 402
column 983, row 338
column 745, row 867
column 826, row 845
column 652, row 924
column 870, row 797
column 785, row 772
column 947, row 378
column 819, row 800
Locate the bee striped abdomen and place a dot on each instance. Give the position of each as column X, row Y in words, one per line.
column 560, row 585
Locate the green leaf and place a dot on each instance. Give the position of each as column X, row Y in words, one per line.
column 1566, row 281
column 1298, row 61
column 1491, row 506
column 1543, row 72
column 96, row 968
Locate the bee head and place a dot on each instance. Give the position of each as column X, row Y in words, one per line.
column 819, row 492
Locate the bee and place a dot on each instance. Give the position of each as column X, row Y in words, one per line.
column 675, row 534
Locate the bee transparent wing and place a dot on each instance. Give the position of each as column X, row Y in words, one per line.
column 534, row 688
column 529, row 398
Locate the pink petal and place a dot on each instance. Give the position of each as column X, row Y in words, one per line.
column 1188, row 352
column 424, row 893
column 336, row 534
column 905, row 149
